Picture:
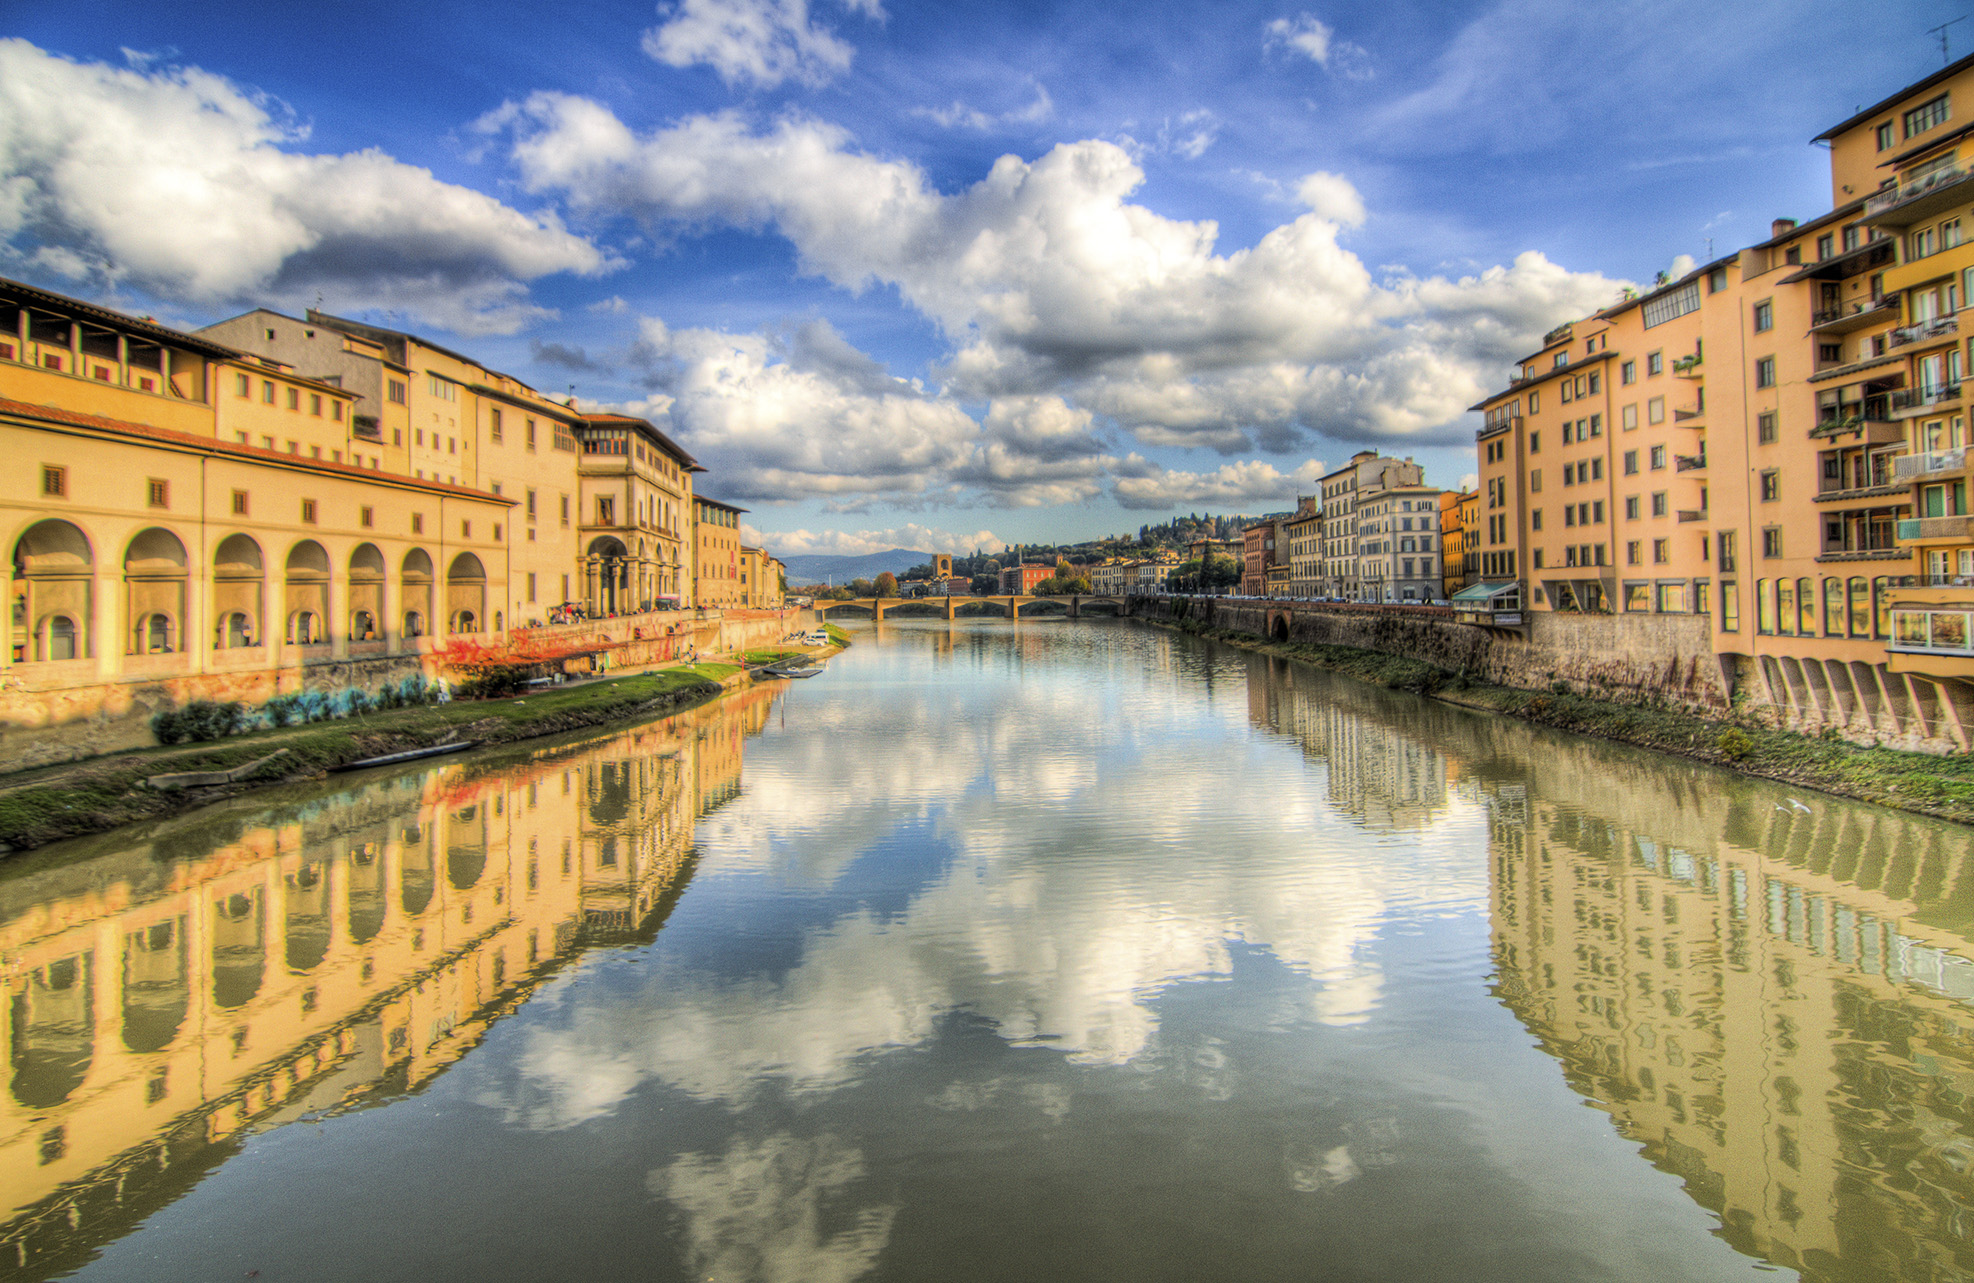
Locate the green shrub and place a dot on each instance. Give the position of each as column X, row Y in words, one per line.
column 199, row 721
column 1734, row 744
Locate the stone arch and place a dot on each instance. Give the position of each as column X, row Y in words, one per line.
column 156, row 995
column 305, row 925
column 239, row 583
column 366, row 579
column 607, row 568
column 415, row 592
column 1278, row 627
column 54, row 598
column 306, row 604
column 51, row 1031
column 154, row 587
column 466, row 595
column 239, row 948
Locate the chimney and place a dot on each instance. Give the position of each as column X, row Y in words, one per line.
column 1781, row 227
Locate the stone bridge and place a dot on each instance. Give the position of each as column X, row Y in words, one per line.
column 1010, row 606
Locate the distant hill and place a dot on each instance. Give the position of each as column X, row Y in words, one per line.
column 819, row 568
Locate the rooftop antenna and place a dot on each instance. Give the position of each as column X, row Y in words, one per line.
column 1941, row 30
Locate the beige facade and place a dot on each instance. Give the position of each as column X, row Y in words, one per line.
column 1343, row 535
column 637, row 522
column 1304, row 531
column 716, row 559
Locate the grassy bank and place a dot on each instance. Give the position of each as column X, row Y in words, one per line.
column 1920, row 782
column 54, row 802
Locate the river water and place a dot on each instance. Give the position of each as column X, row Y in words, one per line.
column 1051, row 950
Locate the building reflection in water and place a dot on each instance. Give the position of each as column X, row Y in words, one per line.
column 323, row 954
column 1771, row 994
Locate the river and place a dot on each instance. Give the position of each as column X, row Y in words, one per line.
column 1050, row 950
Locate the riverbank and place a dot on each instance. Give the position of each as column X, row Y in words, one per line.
column 1922, row 783
column 50, row 803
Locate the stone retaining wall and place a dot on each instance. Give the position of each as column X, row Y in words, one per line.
column 1629, row 658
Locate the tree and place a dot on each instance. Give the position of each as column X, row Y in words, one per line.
column 1221, row 571
column 862, row 588
column 1063, row 569
column 986, row 585
column 886, row 585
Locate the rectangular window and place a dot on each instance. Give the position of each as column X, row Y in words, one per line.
column 1596, row 469
column 1659, row 503
column 1597, row 512
column 565, row 509
column 294, row 398
column 1885, row 136
column 266, row 392
column 315, row 404
column 1655, row 363
column 493, row 425
column 1535, row 443
column 1765, row 427
column 1785, row 607
column 417, row 523
column 1724, row 545
column 1764, row 316
column 242, row 385
column 1765, row 372
column 1630, row 417
column 1925, row 116
column 1661, row 551
column 1826, row 246
column 531, row 585
column 1628, row 372
column 395, row 390
column 1771, row 486
column 530, row 433
column 1631, row 508
column 239, row 503
column 1672, row 305
column 308, row 511
column 1764, row 606
column 1730, row 607
column 1655, row 410
column 465, row 530
column 54, row 482
column 1535, row 519
column 1631, row 463
column 1671, row 599
column 531, row 504
column 1772, row 542
column 1836, row 609
column 336, row 411
column 157, row 493
column 366, row 516
column 442, row 389
column 1658, row 458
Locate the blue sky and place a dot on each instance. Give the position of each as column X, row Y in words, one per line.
column 927, row 275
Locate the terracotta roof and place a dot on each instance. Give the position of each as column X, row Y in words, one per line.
column 105, row 317
column 255, row 454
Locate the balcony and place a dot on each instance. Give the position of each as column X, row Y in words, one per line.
column 1928, row 528
column 1910, row 467
column 1866, row 554
column 1908, row 402
column 1908, row 202
column 1684, row 515
column 1923, row 331
column 1688, row 462
column 1687, row 416
column 1860, row 315
column 1687, row 367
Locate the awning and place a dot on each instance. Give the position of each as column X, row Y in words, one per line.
column 1485, row 592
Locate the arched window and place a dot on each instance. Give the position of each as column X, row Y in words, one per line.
column 155, row 634
column 466, row 593
column 363, row 626
column 414, row 624
column 307, row 593
column 52, row 592
column 304, row 628
column 366, row 604
column 415, row 590
column 238, row 584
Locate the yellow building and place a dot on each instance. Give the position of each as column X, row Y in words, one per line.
column 431, row 413
column 1304, row 532
column 1775, row 444
column 761, row 577
column 716, row 555
column 637, row 511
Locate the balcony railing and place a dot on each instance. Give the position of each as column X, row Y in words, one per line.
column 1893, row 197
column 1683, row 416
column 1687, row 367
column 1922, row 465
column 1933, row 528
column 1918, row 398
column 1923, row 330
column 1858, row 310
column 1688, row 462
column 1690, row 514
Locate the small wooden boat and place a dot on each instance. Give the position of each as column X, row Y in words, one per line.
column 409, row 755
column 800, row 666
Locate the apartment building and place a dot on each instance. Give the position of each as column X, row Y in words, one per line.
column 1304, row 531
column 1398, row 545
column 1264, row 559
column 1458, row 509
column 1775, row 442
column 716, row 553
column 1342, row 536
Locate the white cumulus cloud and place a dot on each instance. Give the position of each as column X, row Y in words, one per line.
column 1250, row 484
column 1308, row 36
column 753, row 42
column 1050, row 281
column 192, row 188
